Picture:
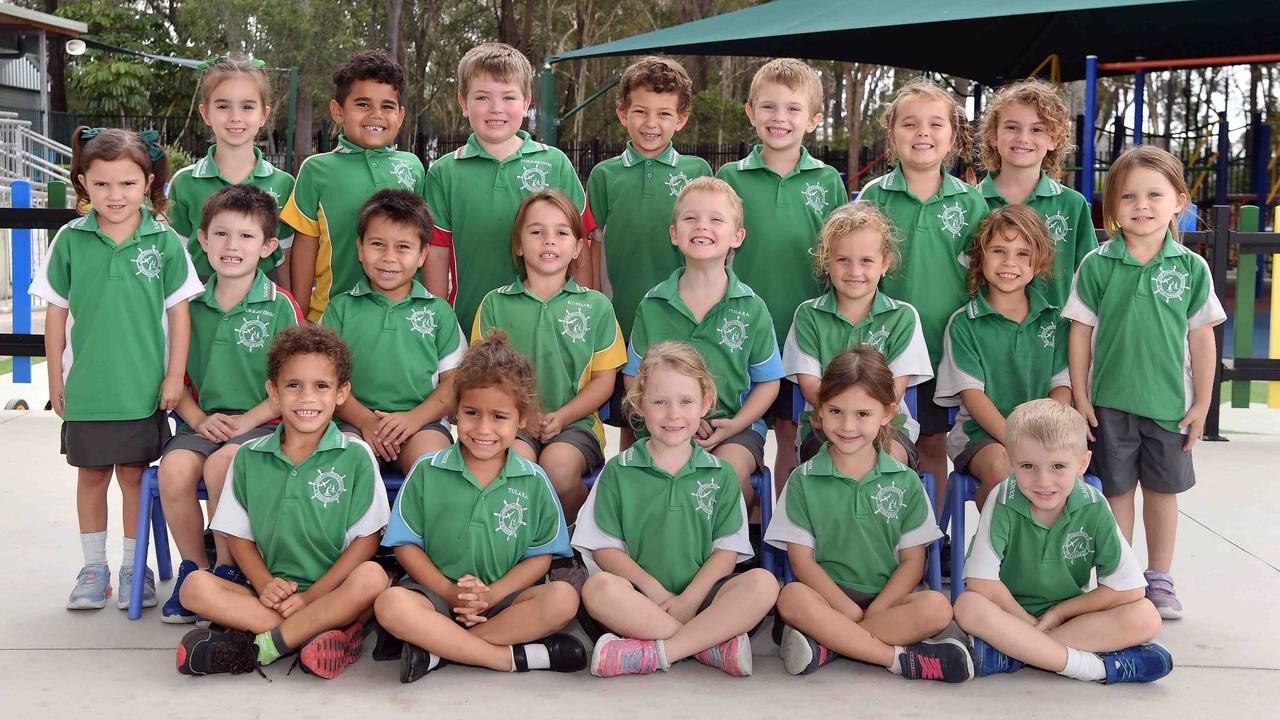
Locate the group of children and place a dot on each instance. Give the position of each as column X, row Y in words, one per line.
column 995, row 299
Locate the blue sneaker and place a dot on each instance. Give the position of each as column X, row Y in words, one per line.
column 990, row 661
column 93, row 587
column 173, row 612
column 126, row 583
column 1138, row 664
column 231, row 573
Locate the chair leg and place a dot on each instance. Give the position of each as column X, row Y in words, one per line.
column 955, row 504
column 160, row 530
column 762, row 483
column 146, row 498
column 933, row 553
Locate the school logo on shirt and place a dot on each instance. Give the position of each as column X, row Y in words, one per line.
column 815, row 196
column 402, row 172
column 328, row 486
column 705, row 496
column 1048, row 333
column 888, row 501
column 510, row 518
column 276, row 196
column 252, row 334
column 1077, row 545
column 733, row 334
column 953, row 219
column 877, row 338
column 1058, row 227
column 423, row 322
column 533, row 178
column 574, row 325
column 148, row 263
column 676, row 183
column 1170, row 284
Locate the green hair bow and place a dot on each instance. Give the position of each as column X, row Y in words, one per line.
column 220, row 58
column 151, row 139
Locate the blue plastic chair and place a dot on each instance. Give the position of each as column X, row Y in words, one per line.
column 151, row 520
column 960, row 490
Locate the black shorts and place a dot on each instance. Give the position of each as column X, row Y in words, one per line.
column 783, row 407
column 933, row 418
column 104, row 443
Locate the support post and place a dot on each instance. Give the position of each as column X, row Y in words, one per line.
column 547, row 120
column 1223, row 163
column 1090, row 117
column 1221, row 234
column 291, row 119
column 1246, row 276
column 1139, row 91
column 20, row 263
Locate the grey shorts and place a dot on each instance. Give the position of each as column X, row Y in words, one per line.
column 812, row 442
column 1131, row 449
column 752, row 441
column 582, row 440
column 970, row 451
column 442, row 606
column 104, row 443
column 394, row 466
column 190, row 440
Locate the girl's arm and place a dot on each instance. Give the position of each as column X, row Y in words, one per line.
column 1079, row 358
column 902, row 582
column 302, row 269
column 55, row 342
column 809, row 572
column 899, row 387
column 1096, row 600
column 1204, row 353
column 249, row 559
column 809, row 387
column 719, row 565
column 615, row 561
column 998, row 593
column 435, row 271
column 179, row 343
column 522, row 576
column 595, row 393
column 982, row 410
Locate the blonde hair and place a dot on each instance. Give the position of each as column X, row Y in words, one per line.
column 863, row 367
column 710, row 185
column 670, row 355
column 497, row 61
column 794, row 75
column 1052, row 111
column 227, row 68
column 851, row 218
column 962, row 133
column 1026, row 224
column 1151, row 158
column 1049, row 423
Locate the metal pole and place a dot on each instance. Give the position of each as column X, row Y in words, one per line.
column 20, row 262
column 1221, row 235
column 1090, row 112
column 1139, row 90
column 1245, row 295
column 547, row 120
column 1223, row 162
column 291, row 120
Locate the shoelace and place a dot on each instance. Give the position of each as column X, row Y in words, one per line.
column 1126, row 668
column 88, row 576
column 634, row 656
column 930, row 667
column 239, row 655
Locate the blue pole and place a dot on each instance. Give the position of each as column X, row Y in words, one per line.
column 20, row 262
column 1090, row 112
column 1139, row 90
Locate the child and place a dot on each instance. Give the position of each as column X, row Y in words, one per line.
column 226, row 404
column 475, row 526
column 1005, row 346
column 235, row 101
column 405, row 342
column 855, row 249
column 936, row 215
column 302, row 515
column 1142, row 354
column 666, row 523
column 855, row 524
column 706, row 305
column 333, row 186
column 1025, row 137
column 786, row 194
column 117, row 283
column 569, row 334
column 474, row 192
column 1038, row 541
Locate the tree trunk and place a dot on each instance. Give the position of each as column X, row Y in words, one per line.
column 56, row 63
column 855, row 79
column 301, row 132
column 837, row 99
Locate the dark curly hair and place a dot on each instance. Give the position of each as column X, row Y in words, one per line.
column 308, row 339
column 492, row 362
column 657, row 75
column 372, row 65
column 398, row 206
column 246, row 200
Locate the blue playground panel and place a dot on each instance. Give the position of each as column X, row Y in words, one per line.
column 1261, row 335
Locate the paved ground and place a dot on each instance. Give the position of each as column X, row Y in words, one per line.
column 55, row 663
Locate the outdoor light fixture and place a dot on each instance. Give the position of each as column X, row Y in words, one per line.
column 75, row 46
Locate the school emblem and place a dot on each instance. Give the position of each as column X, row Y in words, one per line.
column 1077, row 545
column 533, row 178
column 815, row 196
column 1170, row 284
column 888, row 501
column 1048, row 333
column 877, row 338
column 423, row 322
column 252, row 333
column 328, row 486
column 510, row 518
column 275, row 196
column 953, row 219
column 676, row 183
column 402, row 172
column 733, row 334
column 574, row 325
column 705, row 496
column 148, row 263
column 1058, row 227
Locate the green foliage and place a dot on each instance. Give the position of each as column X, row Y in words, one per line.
column 716, row 119
column 109, row 86
column 178, row 158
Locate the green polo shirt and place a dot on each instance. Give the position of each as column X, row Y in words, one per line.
column 819, row 332
column 567, row 337
column 474, row 197
column 668, row 524
column 1070, row 222
column 856, row 527
column 330, row 190
column 302, row 517
column 227, row 362
column 782, row 216
column 1022, row 361
column 116, row 297
column 735, row 338
column 934, row 236
column 1141, row 315
column 1042, row 566
column 191, row 186
column 466, row 529
column 398, row 350
column 632, row 198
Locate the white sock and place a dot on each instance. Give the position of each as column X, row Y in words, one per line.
column 129, row 545
column 896, row 667
column 94, row 546
column 536, row 655
column 1083, row 665
column 662, row 656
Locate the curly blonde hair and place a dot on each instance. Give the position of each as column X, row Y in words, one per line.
column 1049, row 106
column 848, row 219
column 1023, row 222
column 962, row 133
column 670, row 355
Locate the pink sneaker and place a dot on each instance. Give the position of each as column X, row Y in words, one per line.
column 614, row 656
column 733, row 656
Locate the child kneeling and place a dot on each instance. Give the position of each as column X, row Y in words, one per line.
column 855, row 524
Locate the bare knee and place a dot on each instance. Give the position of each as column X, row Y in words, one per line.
column 935, row 609
column 178, row 473
column 795, row 600
column 1143, row 617
column 603, row 589
column 973, row 611
column 559, row 602
column 395, row 608
column 759, row 583
column 197, row 586
column 368, row 580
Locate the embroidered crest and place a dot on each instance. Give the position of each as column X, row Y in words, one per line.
column 510, row 518
column 733, row 334
column 705, row 496
column 328, row 486
column 574, row 325
column 877, row 339
column 815, row 196
column 403, row 173
column 1048, row 333
column 533, row 178
column 1058, row 227
column 252, row 333
column 149, row 263
column 676, row 183
column 1077, row 545
column 888, row 501
column 423, row 322
column 1170, row 284
column 953, row 218
column 276, row 196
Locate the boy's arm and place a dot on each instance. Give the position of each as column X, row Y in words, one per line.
column 595, row 393
column 597, row 257
column 437, row 270
column 302, row 269
column 179, row 342
column 1203, row 356
column 360, row 550
column 354, row 412
column 998, row 593
column 809, row 385
column 1079, row 358
column 1062, row 394
column 754, row 408
column 984, row 412
column 809, row 572
column 902, row 581
column 260, row 414
column 1096, row 600
column 618, row 562
column 523, row 575
column 249, row 559
column 55, row 342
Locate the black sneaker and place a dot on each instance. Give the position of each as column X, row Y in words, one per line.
column 416, row 662
column 386, row 646
column 947, row 660
column 564, row 651
column 205, row 652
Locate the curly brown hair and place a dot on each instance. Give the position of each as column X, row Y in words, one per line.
column 372, row 65
column 1049, row 106
column 848, row 219
column 1021, row 221
column 308, row 339
column 492, row 362
column 657, row 75
column 962, row 131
